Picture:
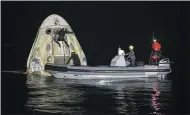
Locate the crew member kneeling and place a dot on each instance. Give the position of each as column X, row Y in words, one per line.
column 75, row 57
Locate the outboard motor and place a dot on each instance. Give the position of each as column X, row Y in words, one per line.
column 165, row 62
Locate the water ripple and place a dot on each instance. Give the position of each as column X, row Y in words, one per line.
column 99, row 97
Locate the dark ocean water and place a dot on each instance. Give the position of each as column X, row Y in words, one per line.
column 46, row 95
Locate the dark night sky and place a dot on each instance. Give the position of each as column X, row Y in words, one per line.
column 99, row 26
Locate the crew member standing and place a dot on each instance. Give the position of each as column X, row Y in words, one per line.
column 156, row 53
column 131, row 55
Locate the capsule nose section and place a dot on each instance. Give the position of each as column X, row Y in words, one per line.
column 54, row 20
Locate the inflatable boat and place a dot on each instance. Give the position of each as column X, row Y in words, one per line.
column 119, row 68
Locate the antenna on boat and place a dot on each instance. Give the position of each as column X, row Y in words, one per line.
column 153, row 39
column 118, row 50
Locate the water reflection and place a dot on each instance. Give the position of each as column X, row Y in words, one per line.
column 155, row 97
column 51, row 97
column 136, row 96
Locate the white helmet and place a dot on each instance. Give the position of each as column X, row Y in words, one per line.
column 131, row 47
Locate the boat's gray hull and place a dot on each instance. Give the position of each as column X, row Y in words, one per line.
column 106, row 72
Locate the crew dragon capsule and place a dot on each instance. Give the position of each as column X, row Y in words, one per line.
column 53, row 44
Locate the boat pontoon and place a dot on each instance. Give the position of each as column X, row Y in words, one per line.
column 119, row 68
